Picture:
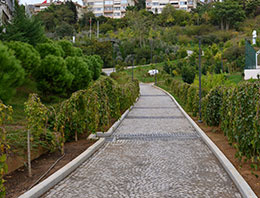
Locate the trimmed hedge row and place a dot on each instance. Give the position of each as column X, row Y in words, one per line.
column 235, row 109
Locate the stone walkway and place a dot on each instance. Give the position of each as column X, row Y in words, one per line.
column 155, row 153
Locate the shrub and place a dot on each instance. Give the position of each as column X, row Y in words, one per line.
column 26, row 54
column 52, row 76
column 11, row 73
column 5, row 115
column 95, row 65
column 82, row 75
column 213, row 102
column 188, row 74
column 46, row 49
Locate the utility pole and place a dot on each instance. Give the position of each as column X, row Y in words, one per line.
column 90, row 21
column 97, row 29
column 200, row 120
column 222, row 67
column 133, row 69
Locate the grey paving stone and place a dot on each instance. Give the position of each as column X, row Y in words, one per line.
column 150, row 158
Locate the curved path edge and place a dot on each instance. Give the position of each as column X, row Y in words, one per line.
column 239, row 181
column 59, row 175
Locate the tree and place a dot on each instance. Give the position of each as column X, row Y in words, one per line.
column 22, row 28
column 50, row 48
column 64, row 29
column 227, row 13
column 80, row 69
column 11, row 73
column 69, row 49
column 52, row 76
column 252, row 8
column 26, row 54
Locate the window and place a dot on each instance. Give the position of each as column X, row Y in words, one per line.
column 98, row 3
column 99, row 9
column 108, row 2
column 108, row 8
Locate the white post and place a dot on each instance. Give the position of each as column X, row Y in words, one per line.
column 29, row 153
column 254, row 37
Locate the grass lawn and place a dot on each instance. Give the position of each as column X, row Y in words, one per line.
column 235, row 78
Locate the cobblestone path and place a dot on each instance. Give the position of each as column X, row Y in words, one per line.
column 155, row 153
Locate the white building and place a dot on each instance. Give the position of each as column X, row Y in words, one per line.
column 6, row 10
column 156, row 6
column 108, row 8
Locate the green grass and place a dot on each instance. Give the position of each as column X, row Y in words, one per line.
column 235, row 78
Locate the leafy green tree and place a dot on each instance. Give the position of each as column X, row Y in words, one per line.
column 80, row 69
column 228, row 13
column 104, row 28
column 23, row 28
column 50, row 48
column 11, row 73
column 64, row 29
column 252, row 8
column 26, row 54
column 53, row 77
column 103, row 49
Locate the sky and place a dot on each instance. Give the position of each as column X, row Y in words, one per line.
column 40, row 1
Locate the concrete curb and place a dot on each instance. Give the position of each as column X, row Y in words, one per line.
column 239, row 181
column 116, row 124
column 59, row 175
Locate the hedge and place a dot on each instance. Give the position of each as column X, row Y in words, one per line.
column 236, row 109
column 86, row 111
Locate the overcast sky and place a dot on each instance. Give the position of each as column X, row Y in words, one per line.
column 40, row 1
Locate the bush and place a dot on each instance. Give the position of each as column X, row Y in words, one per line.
column 11, row 73
column 46, row 49
column 188, row 74
column 95, row 65
column 211, row 110
column 52, row 76
column 82, row 75
column 26, row 54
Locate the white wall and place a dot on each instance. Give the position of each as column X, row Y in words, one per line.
column 251, row 73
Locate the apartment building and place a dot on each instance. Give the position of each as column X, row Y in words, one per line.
column 156, row 6
column 108, row 8
column 6, row 11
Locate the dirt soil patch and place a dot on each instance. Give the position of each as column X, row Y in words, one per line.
column 18, row 181
column 244, row 168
